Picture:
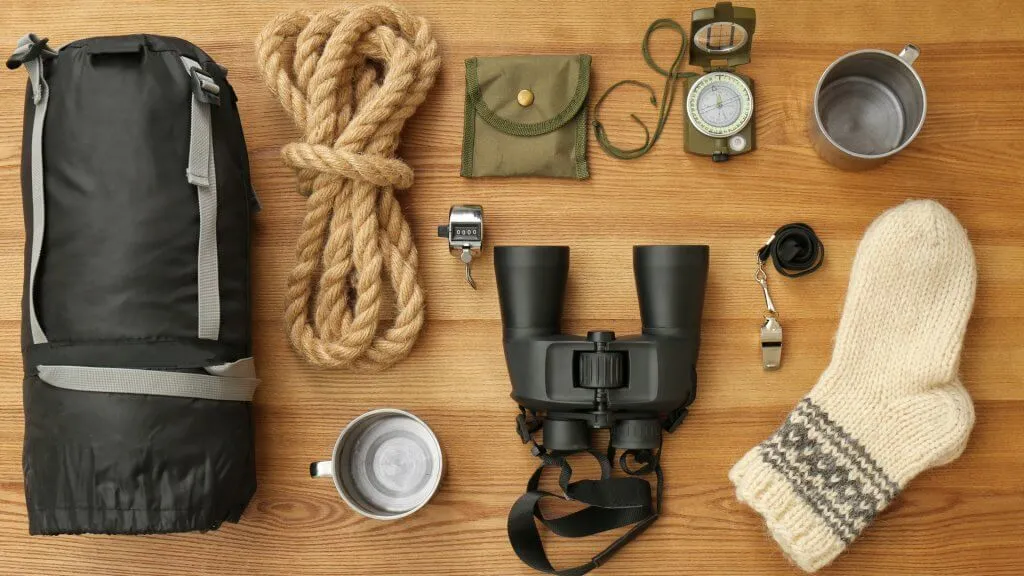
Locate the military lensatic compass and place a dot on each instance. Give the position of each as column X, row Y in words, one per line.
column 719, row 104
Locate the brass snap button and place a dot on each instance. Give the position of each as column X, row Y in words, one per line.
column 525, row 98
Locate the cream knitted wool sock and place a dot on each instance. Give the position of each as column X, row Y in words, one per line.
column 888, row 406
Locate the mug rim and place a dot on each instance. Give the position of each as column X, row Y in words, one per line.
column 336, row 475
column 843, row 149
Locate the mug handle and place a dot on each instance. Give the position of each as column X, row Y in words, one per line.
column 322, row 469
column 909, row 54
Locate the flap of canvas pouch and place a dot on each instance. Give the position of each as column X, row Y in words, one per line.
column 559, row 85
column 526, row 116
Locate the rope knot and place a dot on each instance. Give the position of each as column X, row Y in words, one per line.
column 370, row 168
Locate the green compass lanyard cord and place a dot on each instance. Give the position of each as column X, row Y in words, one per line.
column 667, row 97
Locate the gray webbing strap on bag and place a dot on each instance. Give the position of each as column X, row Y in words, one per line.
column 40, row 97
column 235, row 381
column 202, row 173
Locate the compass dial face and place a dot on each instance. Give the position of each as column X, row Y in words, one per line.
column 719, row 104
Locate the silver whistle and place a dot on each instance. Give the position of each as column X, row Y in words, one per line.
column 771, row 330
column 465, row 234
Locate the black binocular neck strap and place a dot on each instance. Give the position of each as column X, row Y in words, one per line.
column 611, row 503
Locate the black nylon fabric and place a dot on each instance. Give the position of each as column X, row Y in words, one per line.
column 117, row 286
column 611, row 503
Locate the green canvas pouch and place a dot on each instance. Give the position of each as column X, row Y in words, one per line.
column 526, row 116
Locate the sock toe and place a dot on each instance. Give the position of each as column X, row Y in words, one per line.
column 911, row 293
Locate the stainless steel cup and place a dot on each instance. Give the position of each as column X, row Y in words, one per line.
column 386, row 464
column 868, row 105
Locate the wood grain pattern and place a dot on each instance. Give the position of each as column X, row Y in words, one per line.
column 965, row 518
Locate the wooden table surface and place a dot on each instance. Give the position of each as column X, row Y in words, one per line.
column 965, row 518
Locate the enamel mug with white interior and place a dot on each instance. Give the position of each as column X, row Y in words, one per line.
column 868, row 106
column 386, row 464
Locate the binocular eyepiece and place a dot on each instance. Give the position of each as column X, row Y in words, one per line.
column 636, row 386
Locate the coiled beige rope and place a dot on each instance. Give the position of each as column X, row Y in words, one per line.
column 350, row 78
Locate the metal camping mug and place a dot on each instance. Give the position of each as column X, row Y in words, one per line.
column 868, row 105
column 386, row 464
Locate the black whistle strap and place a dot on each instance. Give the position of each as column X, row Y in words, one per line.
column 794, row 249
column 611, row 503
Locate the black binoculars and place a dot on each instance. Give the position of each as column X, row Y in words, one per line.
column 637, row 385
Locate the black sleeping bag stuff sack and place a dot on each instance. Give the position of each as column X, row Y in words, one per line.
column 136, row 311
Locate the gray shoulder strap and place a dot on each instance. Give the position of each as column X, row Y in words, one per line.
column 40, row 97
column 234, row 382
column 202, row 173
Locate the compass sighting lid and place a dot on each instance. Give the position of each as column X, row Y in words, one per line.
column 721, row 36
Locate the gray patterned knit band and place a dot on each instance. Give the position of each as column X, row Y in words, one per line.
column 829, row 470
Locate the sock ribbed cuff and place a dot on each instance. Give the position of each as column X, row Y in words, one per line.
column 815, row 485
